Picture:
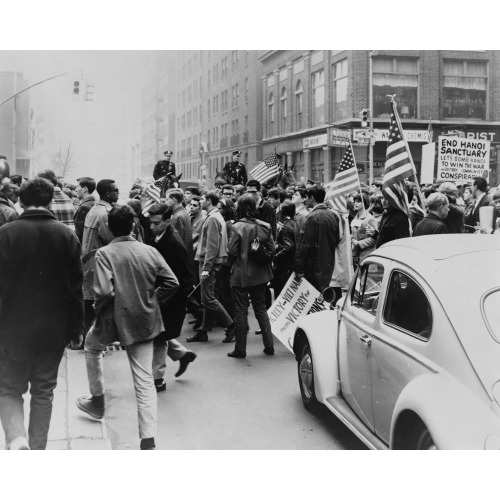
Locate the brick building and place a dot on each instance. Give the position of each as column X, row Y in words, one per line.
column 312, row 98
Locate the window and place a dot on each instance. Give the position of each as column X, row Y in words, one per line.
column 298, row 105
column 392, row 75
column 246, row 89
column 235, row 127
column 235, row 60
column 340, row 90
column 235, row 90
column 318, row 98
column 208, row 109
column 283, row 109
column 223, row 68
column 270, row 114
column 464, row 89
column 407, row 306
column 246, row 56
column 366, row 291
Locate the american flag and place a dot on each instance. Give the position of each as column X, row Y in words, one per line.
column 398, row 165
column 152, row 193
column 346, row 181
column 266, row 170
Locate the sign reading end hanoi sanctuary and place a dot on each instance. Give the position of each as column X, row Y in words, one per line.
column 462, row 158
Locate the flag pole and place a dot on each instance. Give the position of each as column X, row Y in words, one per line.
column 396, row 115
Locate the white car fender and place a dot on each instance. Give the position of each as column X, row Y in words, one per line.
column 321, row 331
column 456, row 418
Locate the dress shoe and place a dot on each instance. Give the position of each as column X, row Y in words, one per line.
column 87, row 405
column 201, row 336
column 197, row 324
column 228, row 338
column 19, row 443
column 160, row 385
column 269, row 351
column 237, row 354
column 189, row 357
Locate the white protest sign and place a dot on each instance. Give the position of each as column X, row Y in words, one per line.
column 461, row 158
column 297, row 299
column 427, row 166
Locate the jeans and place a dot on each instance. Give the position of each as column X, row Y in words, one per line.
column 241, row 298
column 140, row 357
column 161, row 349
column 212, row 306
column 40, row 371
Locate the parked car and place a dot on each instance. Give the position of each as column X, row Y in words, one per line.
column 410, row 357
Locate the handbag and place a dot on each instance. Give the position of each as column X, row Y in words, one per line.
column 258, row 250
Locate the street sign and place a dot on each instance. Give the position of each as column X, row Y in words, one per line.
column 340, row 137
column 364, row 136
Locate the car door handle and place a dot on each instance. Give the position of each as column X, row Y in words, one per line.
column 367, row 340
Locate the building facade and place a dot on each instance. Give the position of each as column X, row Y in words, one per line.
column 313, row 101
column 15, row 122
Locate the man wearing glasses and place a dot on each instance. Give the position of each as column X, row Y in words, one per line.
column 164, row 167
column 96, row 234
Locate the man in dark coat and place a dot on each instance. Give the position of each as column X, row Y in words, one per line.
column 41, row 311
column 394, row 224
column 171, row 247
column 455, row 218
column 164, row 167
column 479, row 188
column 438, row 207
column 86, row 186
column 235, row 171
column 315, row 256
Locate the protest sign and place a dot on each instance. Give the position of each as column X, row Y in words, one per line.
column 461, row 158
column 297, row 299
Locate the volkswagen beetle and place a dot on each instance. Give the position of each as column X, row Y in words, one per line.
column 410, row 357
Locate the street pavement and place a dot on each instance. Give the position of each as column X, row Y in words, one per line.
column 223, row 403
column 70, row 429
column 219, row 403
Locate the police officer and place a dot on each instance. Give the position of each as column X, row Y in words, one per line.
column 236, row 171
column 164, row 167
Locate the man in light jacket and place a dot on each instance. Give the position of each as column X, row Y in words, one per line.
column 211, row 254
column 131, row 279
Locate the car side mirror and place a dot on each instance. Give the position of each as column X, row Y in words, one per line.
column 329, row 294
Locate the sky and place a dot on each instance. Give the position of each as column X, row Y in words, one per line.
column 97, row 131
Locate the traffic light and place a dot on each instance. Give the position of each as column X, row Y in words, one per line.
column 364, row 118
column 76, row 88
column 89, row 92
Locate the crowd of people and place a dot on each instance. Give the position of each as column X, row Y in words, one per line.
column 84, row 271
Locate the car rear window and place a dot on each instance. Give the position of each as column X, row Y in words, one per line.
column 491, row 308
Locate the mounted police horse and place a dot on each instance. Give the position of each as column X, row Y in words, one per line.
column 220, row 179
column 169, row 181
column 284, row 178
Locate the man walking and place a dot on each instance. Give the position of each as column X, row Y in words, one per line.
column 41, row 311
column 62, row 207
column 168, row 242
column 96, row 234
column 211, row 254
column 315, row 257
column 131, row 280
column 86, row 186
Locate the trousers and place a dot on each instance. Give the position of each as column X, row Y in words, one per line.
column 213, row 308
column 242, row 297
column 40, row 372
column 140, row 357
column 161, row 349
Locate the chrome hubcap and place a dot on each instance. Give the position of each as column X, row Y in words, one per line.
column 306, row 375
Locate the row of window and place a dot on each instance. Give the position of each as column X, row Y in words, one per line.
column 464, row 93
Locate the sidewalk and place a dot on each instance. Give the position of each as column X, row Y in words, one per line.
column 70, row 429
